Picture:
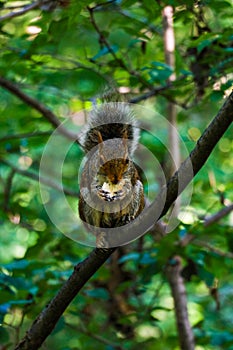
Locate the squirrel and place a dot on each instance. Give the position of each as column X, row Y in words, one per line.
column 111, row 190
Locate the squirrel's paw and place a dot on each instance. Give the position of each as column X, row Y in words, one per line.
column 109, row 197
column 128, row 218
column 101, row 240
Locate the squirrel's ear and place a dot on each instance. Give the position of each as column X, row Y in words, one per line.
column 101, row 146
column 125, row 144
column 100, row 138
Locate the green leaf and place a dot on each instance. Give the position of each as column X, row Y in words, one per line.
column 87, row 83
column 221, row 338
column 148, row 259
column 98, row 293
column 105, row 51
column 4, row 335
column 205, row 275
column 4, row 308
column 17, row 265
column 216, row 96
column 59, row 326
column 129, row 257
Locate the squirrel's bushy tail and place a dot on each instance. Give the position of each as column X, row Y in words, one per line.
column 112, row 120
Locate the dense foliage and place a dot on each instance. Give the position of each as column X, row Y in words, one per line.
column 63, row 55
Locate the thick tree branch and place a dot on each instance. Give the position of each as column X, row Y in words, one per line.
column 179, row 181
column 202, row 151
column 47, row 319
column 173, row 273
column 46, row 112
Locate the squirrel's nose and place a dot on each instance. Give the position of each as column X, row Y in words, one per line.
column 115, row 180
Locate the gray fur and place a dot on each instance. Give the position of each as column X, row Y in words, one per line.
column 112, row 120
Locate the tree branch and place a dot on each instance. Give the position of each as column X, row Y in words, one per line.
column 173, row 273
column 179, row 181
column 191, row 238
column 161, row 90
column 156, row 91
column 201, row 152
column 43, row 180
column 120, row 62
column 47, row 319
column 152, row 91
column 25, row 135
column 46, row 112
column 218, row 216
column 211, row 248
column 21, row 12
column 7, row 190
column 96, row 337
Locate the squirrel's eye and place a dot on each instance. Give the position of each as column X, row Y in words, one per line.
column 126, row 172
column 101, row 173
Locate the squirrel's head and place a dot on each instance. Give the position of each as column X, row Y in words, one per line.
column 114, row 179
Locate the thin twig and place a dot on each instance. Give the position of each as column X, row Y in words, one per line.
column 120, row 62
column 151, row 27
column 46, row 112
column 7, row 190
column 21, row 12
column 211, row 248
column 95, row 336
column 153, row 92
column 35, row 177
column 25, row 135
column 101, row 4
column 13, row 7
column 104, row 40
column 161, row 90
column 218, row 216
column 191, row 238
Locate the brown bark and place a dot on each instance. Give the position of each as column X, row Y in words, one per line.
column 176, row 282
column 47, row 319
